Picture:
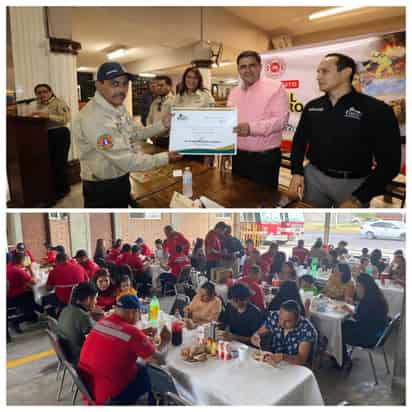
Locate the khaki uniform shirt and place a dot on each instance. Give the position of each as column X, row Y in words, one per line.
column 59, row 112
column 198, row 99
column 165, row 103
column 107, row 141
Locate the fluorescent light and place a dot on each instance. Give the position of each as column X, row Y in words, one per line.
column 331, row 12
column 147, row 75
column 221, row 64
column 116, row 53
column 231, row 81
column 86, row 69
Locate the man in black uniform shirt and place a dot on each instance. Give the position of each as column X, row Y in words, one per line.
column 354, row 142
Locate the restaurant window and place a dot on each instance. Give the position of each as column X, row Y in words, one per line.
column 57, row 216
column 223, row 215
column 145, row 216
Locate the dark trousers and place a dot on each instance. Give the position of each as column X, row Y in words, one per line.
column 143, row 282
column 110, row 193
column 26, row 304
column 57, row 305
column 166, row 277
column 261, row 167
column 59, row 145
column 211, row 264
column 134, row 390
column 354, row 334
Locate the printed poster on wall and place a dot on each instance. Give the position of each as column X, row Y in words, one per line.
column 380, row 59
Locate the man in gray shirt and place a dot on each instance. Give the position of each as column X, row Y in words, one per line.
column 75, row 321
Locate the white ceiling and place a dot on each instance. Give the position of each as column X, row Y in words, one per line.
column 153, row 31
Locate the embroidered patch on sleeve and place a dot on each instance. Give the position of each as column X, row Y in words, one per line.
column 105, row 142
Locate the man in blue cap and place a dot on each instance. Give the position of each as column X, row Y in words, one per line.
column 106, row 138
column 109, row 354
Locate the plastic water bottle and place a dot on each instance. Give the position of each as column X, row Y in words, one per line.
column 314, row 267
column 154, row 309
column 187, row 182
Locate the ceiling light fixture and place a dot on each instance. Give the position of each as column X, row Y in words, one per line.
column 116, row 54
column 86, row 69
column 333, row 11
column 147, row 75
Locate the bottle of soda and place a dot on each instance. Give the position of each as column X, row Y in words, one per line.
column 154, row 309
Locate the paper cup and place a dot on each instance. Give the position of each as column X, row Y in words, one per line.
column 243, row 352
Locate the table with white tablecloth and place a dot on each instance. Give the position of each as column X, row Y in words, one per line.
column 230, row 382
column 329, row 324
column 156, row 270
column 39, row 289
column 394, row 295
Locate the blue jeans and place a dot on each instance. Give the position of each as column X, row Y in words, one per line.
column 134, row 390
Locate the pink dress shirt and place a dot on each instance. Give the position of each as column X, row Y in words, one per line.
column 265, row 106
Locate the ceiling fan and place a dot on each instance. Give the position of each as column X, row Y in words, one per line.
column 206, row 53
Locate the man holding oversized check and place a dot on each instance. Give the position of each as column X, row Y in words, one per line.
column 263, row 111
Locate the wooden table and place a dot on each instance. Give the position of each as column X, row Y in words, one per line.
column 228, row 190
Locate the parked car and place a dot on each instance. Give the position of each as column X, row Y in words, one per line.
column 384, row 229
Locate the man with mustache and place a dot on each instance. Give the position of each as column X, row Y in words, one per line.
column 352, row 140
column 106, row 139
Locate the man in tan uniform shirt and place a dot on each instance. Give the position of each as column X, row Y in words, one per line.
column 161, row 106
column 107, row 140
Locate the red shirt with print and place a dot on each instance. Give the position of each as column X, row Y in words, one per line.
column 108, row 357
column 177, row 262
column 174, row 240
column 63, row 277
column 90, row 267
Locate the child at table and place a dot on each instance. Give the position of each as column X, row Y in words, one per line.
column 106, row 297
column 125, row 287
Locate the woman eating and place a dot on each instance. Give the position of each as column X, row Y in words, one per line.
column 340, row 285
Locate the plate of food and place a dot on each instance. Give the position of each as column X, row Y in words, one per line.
column 261, row 356
column 195, row 353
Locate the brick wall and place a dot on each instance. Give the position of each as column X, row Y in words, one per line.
column 60, row 233
column 149, row 230
column 34, row 233
column 100, row 227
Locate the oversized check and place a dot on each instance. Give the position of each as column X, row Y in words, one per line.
column 203, row 131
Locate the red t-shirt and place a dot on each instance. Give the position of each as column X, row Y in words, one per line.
column 212, row 241
column 131, row 259
column 174, row 240
column 18, row 278
column 300, row 253
column 108, row 357
column 146, row 251
column 106, row 301
column 258, row 298
column 249, row 250
column 90, row 267
column 63, row 276
column 51, row 257
column 177, row 262
column 113, row 254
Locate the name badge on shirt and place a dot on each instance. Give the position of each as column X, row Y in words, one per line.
column 105, row 142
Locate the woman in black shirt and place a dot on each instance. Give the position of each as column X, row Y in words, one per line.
column 288, row 291
column 241, row 318
column 369, row 319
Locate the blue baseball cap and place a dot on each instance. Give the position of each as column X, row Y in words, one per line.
column 128, row 302
column 111, row 70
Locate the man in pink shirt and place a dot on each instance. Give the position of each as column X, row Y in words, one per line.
column 263, row 112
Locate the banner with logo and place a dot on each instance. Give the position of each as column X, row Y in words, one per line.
column 380, row 59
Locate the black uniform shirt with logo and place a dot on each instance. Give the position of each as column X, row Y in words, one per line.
column 348, row 137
